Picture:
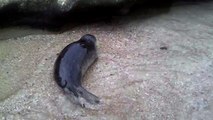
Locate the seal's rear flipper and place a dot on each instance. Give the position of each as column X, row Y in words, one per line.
column 91, row 98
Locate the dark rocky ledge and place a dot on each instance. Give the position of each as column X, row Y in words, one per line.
column 53, row 14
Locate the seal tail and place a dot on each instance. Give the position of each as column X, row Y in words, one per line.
column 91, row 98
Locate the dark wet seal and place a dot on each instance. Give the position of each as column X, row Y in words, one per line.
column 71, row 65
column 164, row 48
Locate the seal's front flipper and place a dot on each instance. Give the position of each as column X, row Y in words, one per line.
column 91, row 98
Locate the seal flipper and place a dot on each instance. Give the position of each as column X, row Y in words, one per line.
column 91, row 98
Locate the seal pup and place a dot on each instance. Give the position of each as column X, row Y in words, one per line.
column 71, row 65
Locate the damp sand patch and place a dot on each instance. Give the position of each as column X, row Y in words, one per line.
column 8, row 83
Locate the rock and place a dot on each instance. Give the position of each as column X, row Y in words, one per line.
column 54, row 13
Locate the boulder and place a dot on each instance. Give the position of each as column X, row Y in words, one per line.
column 55, row 13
